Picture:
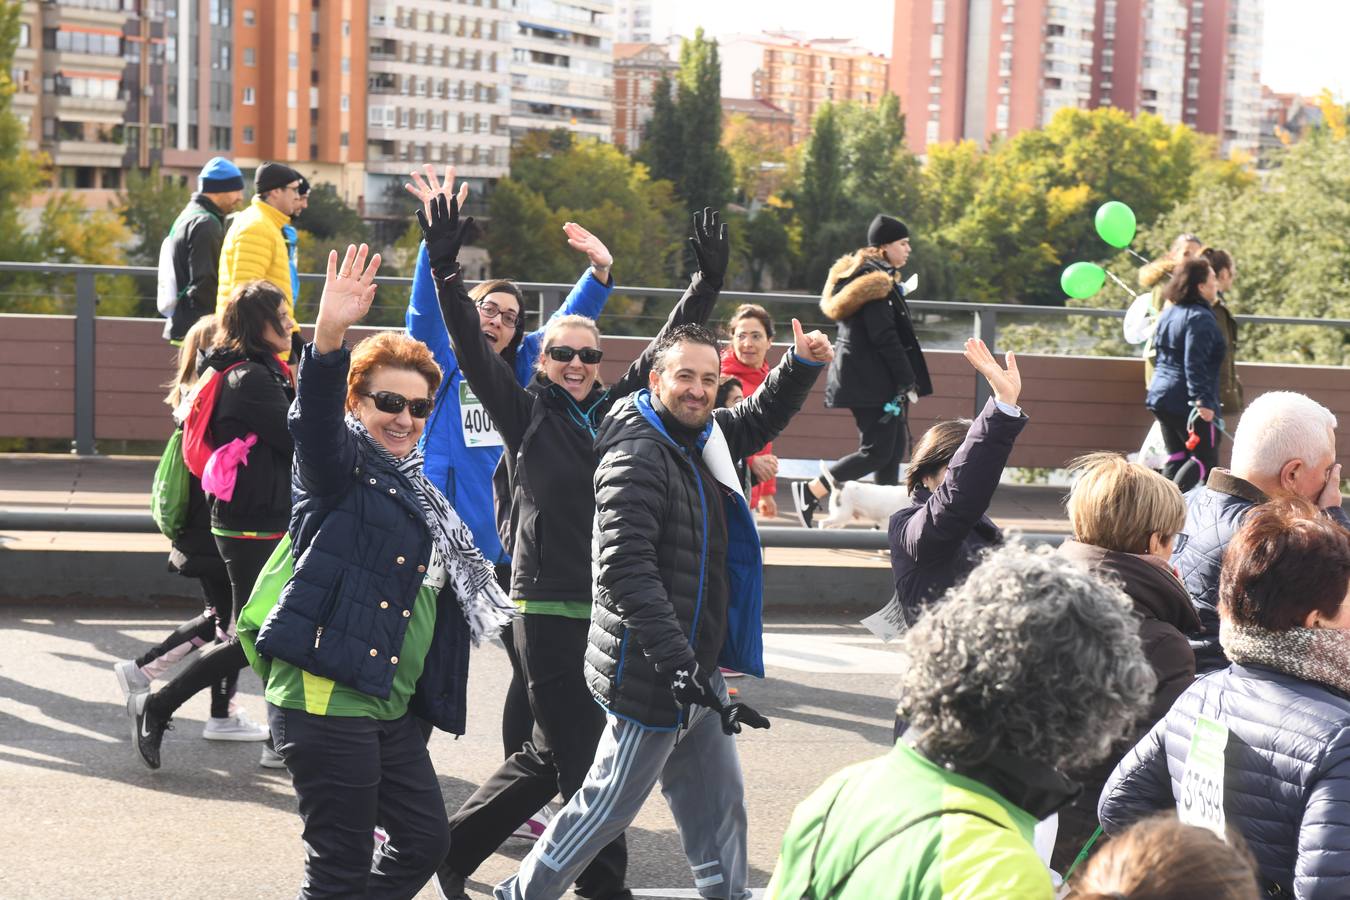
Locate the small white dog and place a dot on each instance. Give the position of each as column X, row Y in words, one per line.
column 855, row 501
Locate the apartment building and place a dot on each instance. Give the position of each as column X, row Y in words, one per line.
column 979, row 68
column 438, row 82
column 799, row 74
column 562, row 67
column 633, row 22
column 637, row 68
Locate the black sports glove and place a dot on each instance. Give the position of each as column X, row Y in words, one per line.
column 711, row 246
column 690, row 685
column 737, row 714
column 444, row 234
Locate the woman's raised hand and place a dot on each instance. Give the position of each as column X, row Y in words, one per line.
column 348, row 291
column 579, row 238
column 442, row 228
column 1006, row 383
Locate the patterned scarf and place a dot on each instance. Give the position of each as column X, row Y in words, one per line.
column 485, row 607
column 1321, row 655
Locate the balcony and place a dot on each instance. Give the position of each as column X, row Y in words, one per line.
column 55, row 60
column 89, row 109
column 86, row 153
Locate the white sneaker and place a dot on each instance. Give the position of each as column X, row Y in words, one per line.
column 271, row 759
column 130, row 678
column 533, row 828
column 238, row 727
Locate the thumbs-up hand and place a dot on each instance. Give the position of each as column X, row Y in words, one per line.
column 814, row 346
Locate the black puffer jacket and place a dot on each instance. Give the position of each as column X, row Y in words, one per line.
column 663, row 584
column 877, row 354
column 550, row 453
column 196, row 238
column 1286, row 774
column 254, row 399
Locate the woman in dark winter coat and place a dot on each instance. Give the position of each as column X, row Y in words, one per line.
column 1279, row 715
column 1230, row 385
column 1184, row 393
column 372, row 631
column 193, row 554
column 878, row 366
column 548, row 429
column 255, row 392
column 1127, row 522
column 938, row 538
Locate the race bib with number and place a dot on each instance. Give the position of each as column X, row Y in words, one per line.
column 1201, row 799
column 887, row 623
column 478, row 428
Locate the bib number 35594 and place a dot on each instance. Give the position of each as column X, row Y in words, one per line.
column 1200, row 801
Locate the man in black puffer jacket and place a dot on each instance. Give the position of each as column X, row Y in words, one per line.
column 678, row 578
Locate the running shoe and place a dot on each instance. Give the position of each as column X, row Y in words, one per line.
column 533, row 827
column 804, row 503
column 130, row 678
column 238, row 727
column 147, row 729
column 271, row 759
column 449, row 884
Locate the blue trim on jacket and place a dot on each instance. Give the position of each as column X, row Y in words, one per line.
column 292, row 256
column 743, row 647
column 464, row 474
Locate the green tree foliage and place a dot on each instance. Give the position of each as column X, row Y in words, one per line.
column 556, row 179
column 766, row 247
column 683, row 140
column 149, row 204
column 749, row 146
column 20, row 172
column 328, row 216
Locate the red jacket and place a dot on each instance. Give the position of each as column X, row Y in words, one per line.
column 750, row 380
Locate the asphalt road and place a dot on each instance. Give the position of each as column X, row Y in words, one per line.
column 88, row 820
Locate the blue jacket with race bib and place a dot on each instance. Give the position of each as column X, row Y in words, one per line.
column 464, row 473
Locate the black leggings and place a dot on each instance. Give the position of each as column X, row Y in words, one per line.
column 1188, row 467
column 881, row 447
column 244, row 560
column 195, row 633
column 517, row 720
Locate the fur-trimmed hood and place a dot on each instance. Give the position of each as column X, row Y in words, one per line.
column 876, row 284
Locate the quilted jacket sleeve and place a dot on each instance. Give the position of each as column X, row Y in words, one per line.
column 1204, row 349
column 325, row 450
column 630, row 508
column 1140, row 786
column 1322, row 869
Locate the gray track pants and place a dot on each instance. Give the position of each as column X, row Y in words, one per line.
column 700, row 775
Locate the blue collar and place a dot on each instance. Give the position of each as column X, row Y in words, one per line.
column 643, row 400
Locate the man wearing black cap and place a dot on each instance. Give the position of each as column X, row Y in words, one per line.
column 255, row 247
column 878, row 366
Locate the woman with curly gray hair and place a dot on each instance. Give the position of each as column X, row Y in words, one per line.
column 1029, row 667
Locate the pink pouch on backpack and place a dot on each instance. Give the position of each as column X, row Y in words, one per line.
column 221, row 469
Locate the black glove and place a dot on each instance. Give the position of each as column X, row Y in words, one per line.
column 690, row 685
column 711, row 246
column 444, row 234
column 738, row 714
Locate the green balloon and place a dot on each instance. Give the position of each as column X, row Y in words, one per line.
column 1082, row 279
column 1115, row 223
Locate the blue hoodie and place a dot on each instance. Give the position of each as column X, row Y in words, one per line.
column 464, row 474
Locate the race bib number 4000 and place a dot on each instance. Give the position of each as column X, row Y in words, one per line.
column 478, row 428
column 1201, row 799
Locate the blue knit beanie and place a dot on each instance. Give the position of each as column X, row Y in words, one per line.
column 220, row 176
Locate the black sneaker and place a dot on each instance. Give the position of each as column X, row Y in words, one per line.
column 449, row 884
column 147, row 729
column 804, row 503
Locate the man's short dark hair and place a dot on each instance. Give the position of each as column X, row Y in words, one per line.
column 682, row 334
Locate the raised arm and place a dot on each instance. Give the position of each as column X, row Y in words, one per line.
column 324, row 448
column 423, row 319
column 763, row 415
column 713, row 251
column 967, row 489
column 490, row 377
column 587, row 297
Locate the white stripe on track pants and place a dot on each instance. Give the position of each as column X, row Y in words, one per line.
column 700, row 775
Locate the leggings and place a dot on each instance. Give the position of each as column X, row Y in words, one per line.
column 517, row 720
column 1188, row 467
column 244, row 560
column 881, row 446
column 194, row 634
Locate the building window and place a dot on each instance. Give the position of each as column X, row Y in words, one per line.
column 293, row 60
column 249, row 99
column 343, row 139
column 250, row 57
column 248, row 134
column 346, row 102
column 346, row 64
column 314, row 99
column 25, row 34
column 290, row 137
column 250, row 17
column 292, row 101
column 294, row 24
column 346, row 27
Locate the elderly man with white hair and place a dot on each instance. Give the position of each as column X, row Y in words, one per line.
column 1285, row 446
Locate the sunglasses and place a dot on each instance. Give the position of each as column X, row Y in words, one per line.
column 389, row 402
column 492, row 310
column 589, row 355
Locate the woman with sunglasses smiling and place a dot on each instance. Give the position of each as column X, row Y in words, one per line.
column 372, row 631
column 549, row 430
